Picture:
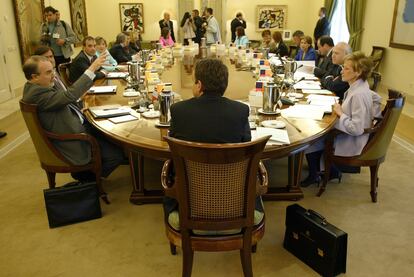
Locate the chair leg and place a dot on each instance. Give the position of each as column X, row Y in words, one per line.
column 246, row 261
column 374, row 181
column 326, row 175
column 51, row 178
column 188, row 254
column 173, row 249
column 102, row 193
column 254, row 248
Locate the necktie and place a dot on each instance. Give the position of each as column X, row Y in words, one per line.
column 60, row 86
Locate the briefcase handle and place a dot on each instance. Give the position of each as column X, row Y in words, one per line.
column 312, row 212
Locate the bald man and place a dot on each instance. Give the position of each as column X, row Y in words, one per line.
column 333, row 82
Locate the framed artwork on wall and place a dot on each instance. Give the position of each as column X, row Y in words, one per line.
column 132, row 17
column 287, row 35
column 78, row 17
column 402, row 31
column 29, row 18
column 271, row 17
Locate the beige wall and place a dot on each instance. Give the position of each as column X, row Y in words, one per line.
column 397, row 65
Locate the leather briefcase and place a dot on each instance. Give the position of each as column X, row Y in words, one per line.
column 314, row 241
column 71, row 203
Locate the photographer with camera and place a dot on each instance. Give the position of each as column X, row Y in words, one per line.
column 58, row 35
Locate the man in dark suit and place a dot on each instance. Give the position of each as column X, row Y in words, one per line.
column 322, row 28
column 84, row 60
column 236, row 22
column 166, row 22
column 59, row 114
column 324, row 64
column 334, row 82
column 122, row 51
column 209, row 116
column 197, row 25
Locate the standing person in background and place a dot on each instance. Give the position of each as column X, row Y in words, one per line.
column 280, row 47
column 322, row 28
column 306, row 52
column 58, row 35
column 187, row 25
column 166, row 22
column 165, row 39
column 197, row 26
column 212, row 28
column 236, row 22
column 241, row 38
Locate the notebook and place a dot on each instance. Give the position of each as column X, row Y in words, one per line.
column 102, row 89
column 109, row 111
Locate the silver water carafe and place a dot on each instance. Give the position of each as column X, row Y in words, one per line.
column 271, row 96
column 290, row 66
column 265, row 53
column 145, row 53
column 166, row 99
column 134, row 77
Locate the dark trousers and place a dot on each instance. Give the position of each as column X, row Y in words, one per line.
column 59, row 60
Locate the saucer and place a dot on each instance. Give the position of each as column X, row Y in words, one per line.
column 151, row 114
column 269, row 113
column 159, row 124
column 274, row 124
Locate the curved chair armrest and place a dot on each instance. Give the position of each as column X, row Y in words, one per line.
column 96, row 154
column 263, row 180
column 166, row 181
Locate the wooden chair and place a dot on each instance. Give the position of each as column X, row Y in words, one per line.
column 64, row 73
column 215, row 186
column 377, row 54
column 51, row 160
column 374, row 152
column 374, row 80
column 292, row 51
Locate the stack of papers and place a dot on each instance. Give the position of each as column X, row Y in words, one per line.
column 317, row 91
column 102, row 89
column 123, row 118
column 117, row 75
column 279, row 136
column 304, row 111
column 325, row 102
column 307, row 85
column 109, row 111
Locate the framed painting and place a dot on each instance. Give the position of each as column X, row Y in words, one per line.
column 78, row 17
column 29, row 18
column 132, row 17
column 271, row 17
column 402, row 31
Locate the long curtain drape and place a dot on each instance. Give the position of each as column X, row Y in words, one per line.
column 330, row 6
column 354, row 17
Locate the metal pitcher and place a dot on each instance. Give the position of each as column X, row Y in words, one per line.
column 166, row 99
column 271, row 96
column 290, row 66
column 265, row 53
column 134, row 73
column 145, row 56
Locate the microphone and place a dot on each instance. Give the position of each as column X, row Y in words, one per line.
column 299, row 66
column 301, row 79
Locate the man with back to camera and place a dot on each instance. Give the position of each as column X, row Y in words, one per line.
column 333, row 81
column 166, row 22
column 325, row 66
column 58, row 35
column 236, row 22
column 58, row 114
column 322, row 28
column 84, row 60
column 209, row 117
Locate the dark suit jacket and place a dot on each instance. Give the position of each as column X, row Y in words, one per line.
column 335, row 84
column 56, row 116
column 282, row 49
column 198, row 22
column 78, row 66
column 234, row 24
column 120, row 54
column 170, row 26
column 322, row 28
column 210, row 119
column 326, row 67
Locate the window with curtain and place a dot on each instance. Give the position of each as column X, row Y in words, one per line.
column 339, row 27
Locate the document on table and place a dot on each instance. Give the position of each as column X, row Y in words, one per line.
column 278, row 136
column 304, row 111
column 123, row 118
column 317, row 91
column 109, row 111
column 307, row 85
column 102, row 89
column 117, row 75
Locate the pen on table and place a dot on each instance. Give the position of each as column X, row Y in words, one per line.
column 110, row 109
column 293, row 125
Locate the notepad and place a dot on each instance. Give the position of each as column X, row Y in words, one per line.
column 307, row 85
column 109, row 111
column 304, row 111
column 317, row 91
column 278, row 136
column 121, row 119
column 102, row 89
column 117, row 75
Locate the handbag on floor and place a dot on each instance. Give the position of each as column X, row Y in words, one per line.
column 71, row 203
column 314, row 241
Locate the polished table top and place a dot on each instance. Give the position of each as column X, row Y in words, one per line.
column 143, row 136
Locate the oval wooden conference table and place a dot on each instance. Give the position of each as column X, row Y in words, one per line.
column 141, row 138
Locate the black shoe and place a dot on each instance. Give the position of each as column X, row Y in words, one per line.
column 2, row 134
column 310, row 181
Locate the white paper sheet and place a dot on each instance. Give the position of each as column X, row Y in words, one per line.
column 117, row 75
column 102, row 89
column 109, row 111
column 279, row 136
column 304, row 111
column 124, row 118
column 317, row 91
column 307, row 85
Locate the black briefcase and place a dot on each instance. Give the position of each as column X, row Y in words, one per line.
column 314, row 241
column 71, row 203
